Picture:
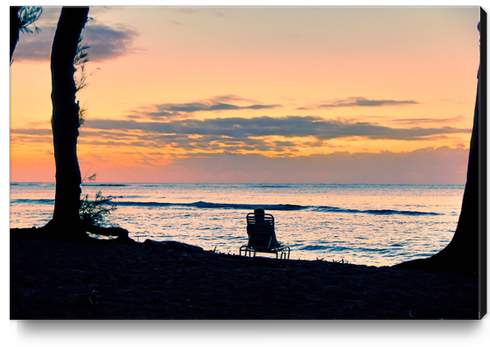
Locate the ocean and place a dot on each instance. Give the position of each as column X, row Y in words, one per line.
column 365, row 224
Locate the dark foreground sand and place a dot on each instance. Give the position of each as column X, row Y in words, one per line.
column 52, row 279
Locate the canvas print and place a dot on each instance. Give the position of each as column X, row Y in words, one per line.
column 247, row 162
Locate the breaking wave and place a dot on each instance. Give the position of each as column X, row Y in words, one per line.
column 270, row 207
column 274, row 207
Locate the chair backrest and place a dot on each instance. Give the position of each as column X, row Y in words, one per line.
column 260, row 228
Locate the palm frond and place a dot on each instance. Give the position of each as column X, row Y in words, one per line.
column 27, row 16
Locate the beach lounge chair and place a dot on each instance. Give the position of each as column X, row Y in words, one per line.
column 262, row 237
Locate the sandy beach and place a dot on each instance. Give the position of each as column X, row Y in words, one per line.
column 53, row 279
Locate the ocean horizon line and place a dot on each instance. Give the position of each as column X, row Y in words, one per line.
column 109, row 184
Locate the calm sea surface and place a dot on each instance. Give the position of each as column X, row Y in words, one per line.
column 360, row 223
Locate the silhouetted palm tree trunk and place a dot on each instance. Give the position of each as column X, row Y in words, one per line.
column 465, row 251
column 65, row 121
column 14, row 28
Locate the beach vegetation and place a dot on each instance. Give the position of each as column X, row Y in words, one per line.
column 93, row 212
column 341, row 261
column 67, row 56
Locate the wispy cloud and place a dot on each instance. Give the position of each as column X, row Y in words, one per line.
column 359, row 102
column 37, row 132
column 428, row 120
column 216, row 104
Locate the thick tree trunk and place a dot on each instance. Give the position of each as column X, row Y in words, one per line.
column 65, row 120
column 465, row 251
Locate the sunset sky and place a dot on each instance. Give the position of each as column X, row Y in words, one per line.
column 258, row 94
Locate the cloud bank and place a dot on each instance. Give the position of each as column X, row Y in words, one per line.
column 289, row 126
column 287, row 135
column 425, row 166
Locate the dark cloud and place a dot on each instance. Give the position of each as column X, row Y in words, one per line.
column 150, row 139
column 362, row 102
column 290, row 126
column 105, row 42
column 108, row 43
column 220, row 103
column 235, row 135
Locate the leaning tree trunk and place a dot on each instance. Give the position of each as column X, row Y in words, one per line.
column 465, row 251
column 14, row 29
column 65, row 121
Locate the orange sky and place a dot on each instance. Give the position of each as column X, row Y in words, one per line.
column 256, row 94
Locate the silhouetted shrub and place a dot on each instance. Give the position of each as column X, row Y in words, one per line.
column 93, row 212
